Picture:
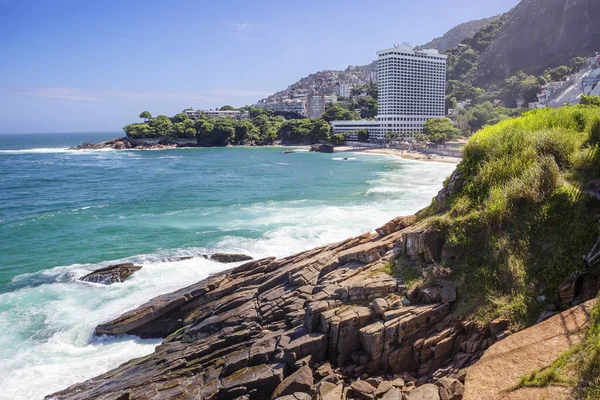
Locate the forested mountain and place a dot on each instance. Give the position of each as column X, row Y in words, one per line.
column 457, row 34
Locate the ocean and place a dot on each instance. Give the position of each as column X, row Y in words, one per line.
column 64, row 213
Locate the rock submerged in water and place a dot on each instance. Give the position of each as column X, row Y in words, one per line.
column 229, row 258
column 111, row 274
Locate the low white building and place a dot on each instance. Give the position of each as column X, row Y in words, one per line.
column 293, row 106
column 349, row 128
column 234, row 114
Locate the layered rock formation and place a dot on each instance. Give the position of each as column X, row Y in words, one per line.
column 329, row 321
column 126, row 143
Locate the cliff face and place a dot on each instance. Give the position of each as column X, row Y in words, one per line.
column 457, row 34
column 540, row 34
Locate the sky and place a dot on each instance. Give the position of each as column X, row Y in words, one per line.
column 93, row 66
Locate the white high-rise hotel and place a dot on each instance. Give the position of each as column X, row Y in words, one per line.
column 412, row 87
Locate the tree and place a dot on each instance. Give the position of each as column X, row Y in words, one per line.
column 320, row 131
column 440, row 130
column 223, row 132
column 204, row 129
column 419, row 137
column 227, row 108
column 559, row 73
column 179, row 118
column 184, row 129
column 337, row 112
column 338, row 139
column 578, row 63
column 244, row 130
column 362, row 135
column 267, row 128
column 146, row 115
column 485, row 114
column 136, row 131
column 162, row 125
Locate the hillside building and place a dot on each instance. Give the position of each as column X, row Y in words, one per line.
column 234, row 114
column 412, row 90
column 291, row 106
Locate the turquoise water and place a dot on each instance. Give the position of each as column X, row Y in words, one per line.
column 64, row 213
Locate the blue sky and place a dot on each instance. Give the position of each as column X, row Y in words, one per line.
column 84, row 65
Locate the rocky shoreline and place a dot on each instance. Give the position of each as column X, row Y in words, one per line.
column 126, row 143
column 329, row 323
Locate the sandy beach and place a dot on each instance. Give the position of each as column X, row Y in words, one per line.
column 412, row 155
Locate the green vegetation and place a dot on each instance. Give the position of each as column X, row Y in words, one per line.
column 339, row 112
column 468, row 81
column 522, row 222
column 440, row 130
column 362, row 135
column 554, row 375
column 263, row 128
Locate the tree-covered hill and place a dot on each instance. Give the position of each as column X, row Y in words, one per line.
column 457, row 34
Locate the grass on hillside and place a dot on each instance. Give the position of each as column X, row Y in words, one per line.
column 522, row 220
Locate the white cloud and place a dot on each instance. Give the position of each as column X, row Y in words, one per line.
column 242, row 30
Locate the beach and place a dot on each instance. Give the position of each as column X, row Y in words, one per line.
column 407, row 155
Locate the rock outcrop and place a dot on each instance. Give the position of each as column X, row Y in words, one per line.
column 506, row 362
column 322, row 148
column 126, row 143
column 229, row 258
column 329, row 318
column 111, row 274
column 116, row 144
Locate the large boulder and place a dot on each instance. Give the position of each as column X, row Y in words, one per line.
column 450, row 389
column 363, row 390
column 299, row 381
column 111, row 274
column 425, row 392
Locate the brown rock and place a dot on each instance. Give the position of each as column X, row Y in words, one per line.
column 450, row 389
column 424, row 392
column 498, row 325
column 380, row 306
column 323, row 371
column 505, row 362
column 362, row 390
column 229, row 258
column 398, row 382
column 393, row 394
column 395, row 225
column 383, row 388
column 335, row 393
column 438, row 294
column 299, row 381
column 111, row 274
